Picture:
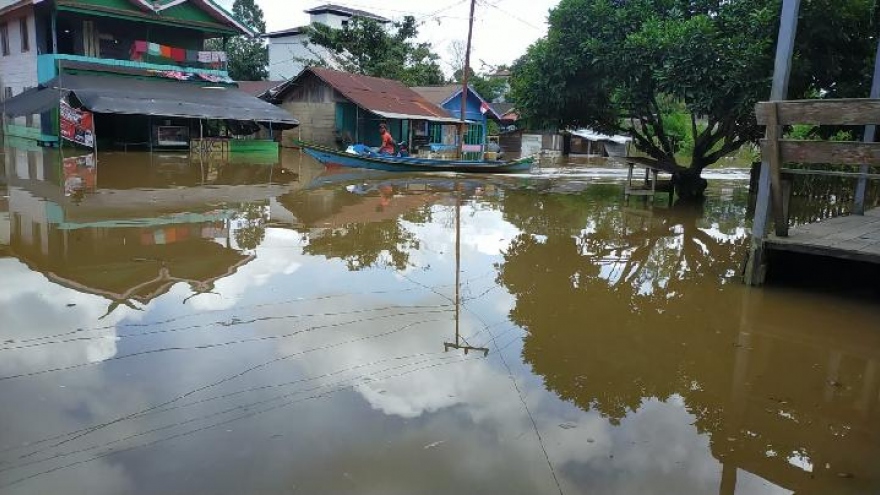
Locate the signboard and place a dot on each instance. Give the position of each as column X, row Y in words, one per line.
column 77, row 125
column 80, row 175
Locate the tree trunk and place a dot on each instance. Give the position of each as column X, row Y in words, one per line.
column 688, row 184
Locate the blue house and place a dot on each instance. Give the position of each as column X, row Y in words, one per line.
column 478, row 111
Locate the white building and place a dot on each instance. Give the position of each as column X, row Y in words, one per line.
column 289, row 49
column 18, row 50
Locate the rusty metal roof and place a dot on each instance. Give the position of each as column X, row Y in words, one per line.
column 438, row 94
column 384, row 97
column 256, row 88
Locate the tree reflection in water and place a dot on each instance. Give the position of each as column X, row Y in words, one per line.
column 602, row 292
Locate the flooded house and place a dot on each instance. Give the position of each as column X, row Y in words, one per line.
column 478, row 112
column 145, row 70
column 338, row 108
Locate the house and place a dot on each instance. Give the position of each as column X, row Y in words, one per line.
column 507, row 115
column 289, row 49
column 337, row 108
column 477, row 113
column 143, row 68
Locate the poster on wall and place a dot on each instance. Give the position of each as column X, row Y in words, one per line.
column 80, row 175
column 77, row 126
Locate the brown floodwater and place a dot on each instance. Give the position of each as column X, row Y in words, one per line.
column 170, row 325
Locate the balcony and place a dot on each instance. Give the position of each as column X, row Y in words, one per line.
column 48, row 65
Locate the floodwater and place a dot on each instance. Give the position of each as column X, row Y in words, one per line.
column 175, row 326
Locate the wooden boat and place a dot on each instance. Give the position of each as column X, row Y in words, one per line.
column 328, row 156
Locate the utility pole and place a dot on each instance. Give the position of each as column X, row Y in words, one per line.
column 464, row 80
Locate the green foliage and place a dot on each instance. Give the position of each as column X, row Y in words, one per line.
column 490, row 88
column 365, row 47
column 248, row 58
column 614, row 65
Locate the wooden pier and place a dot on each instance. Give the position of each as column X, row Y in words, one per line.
column 854, row 237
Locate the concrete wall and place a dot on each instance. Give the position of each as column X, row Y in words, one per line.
column 333, row 20
column 284, row 49
column 286, row 52
column 18, row 70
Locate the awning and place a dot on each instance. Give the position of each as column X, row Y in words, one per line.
column 404, row 116
column 32, row 101
column 129, row 96
column 592, row 135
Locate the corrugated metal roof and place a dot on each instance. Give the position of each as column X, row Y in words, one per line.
column 285, row 32
column 339, row 9
column 437, row 94
column 256, row 88
column 374, row 94
column 108, row 94
column 441, row 94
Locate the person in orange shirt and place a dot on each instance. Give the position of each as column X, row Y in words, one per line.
column 387, row 147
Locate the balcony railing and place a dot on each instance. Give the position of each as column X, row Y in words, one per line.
column 47, row 67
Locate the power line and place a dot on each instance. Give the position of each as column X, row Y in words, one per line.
column 513, row 16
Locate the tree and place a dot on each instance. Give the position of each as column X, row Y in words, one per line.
column 248, row 58
column 488, row 87
column 650, row 68
column 365, row 47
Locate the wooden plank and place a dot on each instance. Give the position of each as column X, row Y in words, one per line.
column 850, row 111
column 792, row 245
column 773, row 155
column 830, row 173
column 827, row 152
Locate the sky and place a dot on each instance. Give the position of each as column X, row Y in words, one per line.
column 503, row 29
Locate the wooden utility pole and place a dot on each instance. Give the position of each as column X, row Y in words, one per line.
column 464, row 80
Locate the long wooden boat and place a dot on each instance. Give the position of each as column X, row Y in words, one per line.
column 329, row 156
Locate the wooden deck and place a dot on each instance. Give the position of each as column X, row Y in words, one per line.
column 853, row 237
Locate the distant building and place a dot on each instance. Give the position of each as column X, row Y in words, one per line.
column 477, row 113
column 290, row 50
column 337, row 108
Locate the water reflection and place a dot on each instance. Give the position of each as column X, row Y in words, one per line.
column 277, row 329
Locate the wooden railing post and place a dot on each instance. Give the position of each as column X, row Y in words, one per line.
column 774, row 159
column 861, row 186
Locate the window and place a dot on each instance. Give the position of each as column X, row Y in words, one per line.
column 25, row 39
column 7, row 92
column 4, row 39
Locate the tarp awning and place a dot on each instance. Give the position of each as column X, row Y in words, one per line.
column 32, row 101
column 108, row 94
column 592, row 135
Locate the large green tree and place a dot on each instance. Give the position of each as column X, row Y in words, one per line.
column 674, row 71
column 366, row 47
column 248, row 57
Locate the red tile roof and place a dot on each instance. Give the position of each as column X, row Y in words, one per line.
column 384, row 97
